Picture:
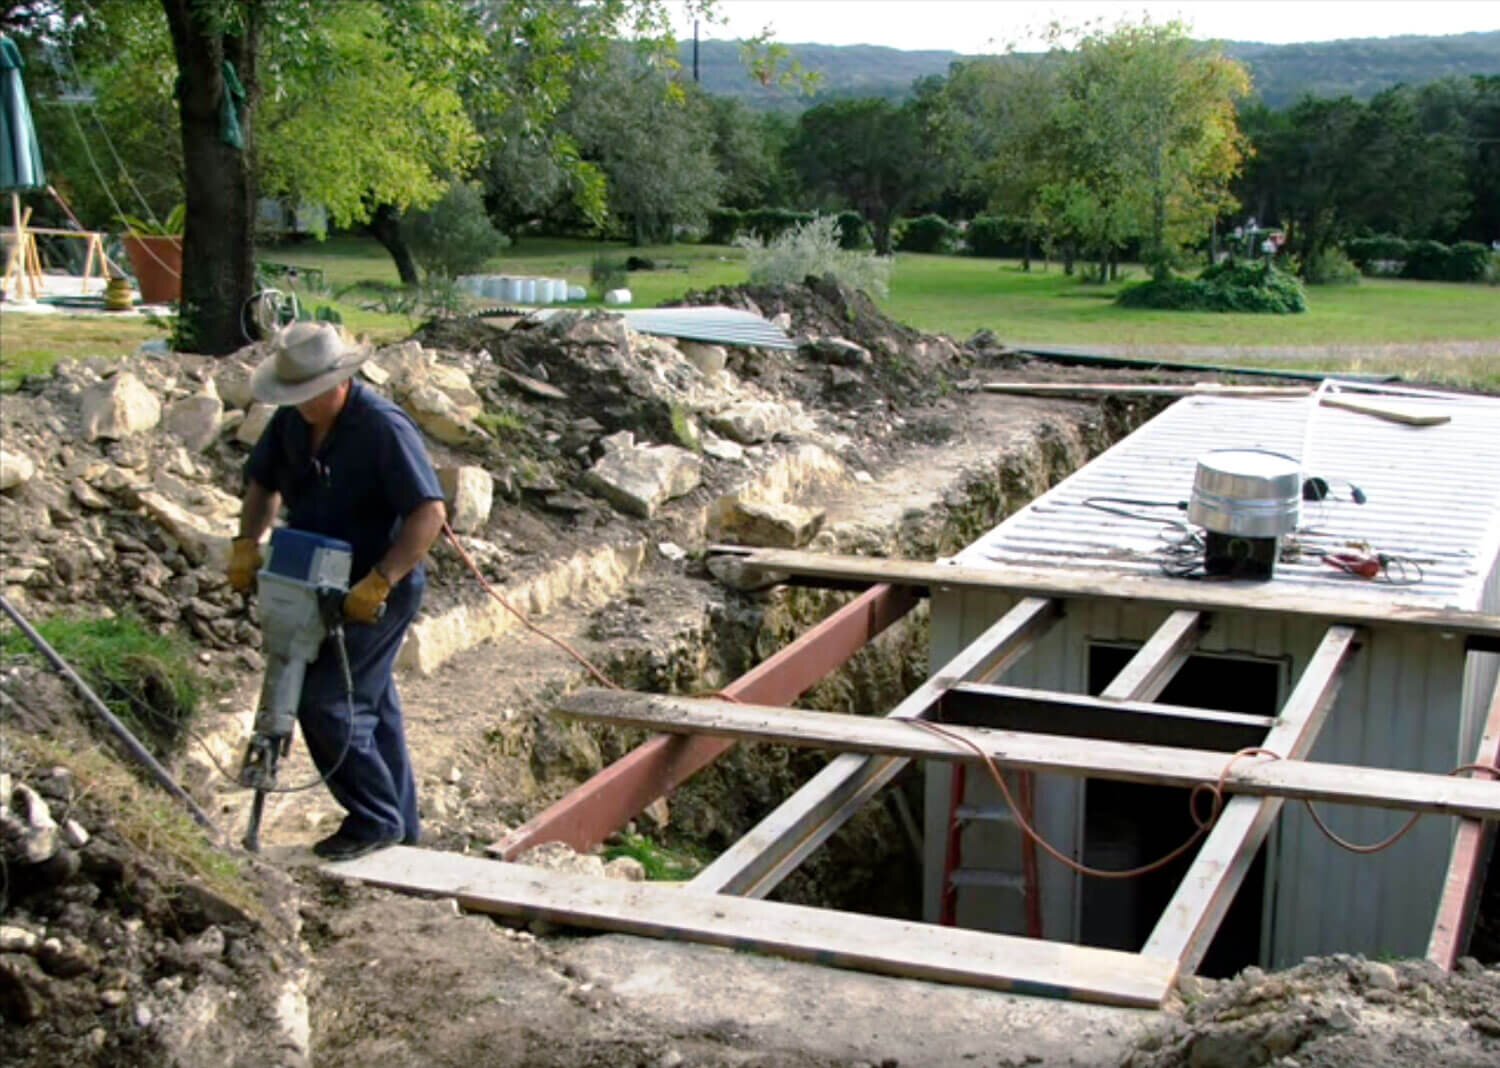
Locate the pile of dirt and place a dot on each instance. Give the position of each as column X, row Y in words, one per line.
column 1332, row 1012
column 124, row 939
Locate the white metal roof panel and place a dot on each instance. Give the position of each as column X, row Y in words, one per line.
column 1433, row 494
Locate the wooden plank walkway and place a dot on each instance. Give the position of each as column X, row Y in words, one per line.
column 821, row 936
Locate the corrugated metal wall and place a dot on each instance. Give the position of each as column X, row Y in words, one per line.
column 1401, row 706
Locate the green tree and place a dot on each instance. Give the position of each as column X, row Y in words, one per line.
column 1146, row 140
column 652, row 141
column 867, row 155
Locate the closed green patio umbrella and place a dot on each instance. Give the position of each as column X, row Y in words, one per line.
column 20, row 155
column 20, row 170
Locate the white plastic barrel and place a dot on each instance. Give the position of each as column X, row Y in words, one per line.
column 528, row 291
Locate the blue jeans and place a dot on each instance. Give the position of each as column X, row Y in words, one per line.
column 373, row 781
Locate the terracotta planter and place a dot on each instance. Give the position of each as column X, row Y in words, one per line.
column 157, row 262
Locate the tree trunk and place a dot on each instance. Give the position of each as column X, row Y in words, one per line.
column 385, row 227
column 880, row 228
column 218, row 247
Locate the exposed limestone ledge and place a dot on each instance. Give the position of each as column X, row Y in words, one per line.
column 592, row 576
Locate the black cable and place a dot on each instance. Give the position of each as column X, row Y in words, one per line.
column 1105, row 504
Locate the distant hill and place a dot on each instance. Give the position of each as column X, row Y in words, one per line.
column 1358, row 67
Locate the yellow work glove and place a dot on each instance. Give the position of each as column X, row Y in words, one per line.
column 366, row 602
column 244, row 562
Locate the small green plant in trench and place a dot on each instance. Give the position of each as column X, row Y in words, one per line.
column 661, row 863
column 147, row 679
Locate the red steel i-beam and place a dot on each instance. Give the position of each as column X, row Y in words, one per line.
column 594, row 810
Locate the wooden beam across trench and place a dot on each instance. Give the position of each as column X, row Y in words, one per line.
column 1480, row 630
column 821, row 936
column 1303, row 780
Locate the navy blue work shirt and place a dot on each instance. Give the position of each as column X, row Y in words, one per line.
column 371, row 471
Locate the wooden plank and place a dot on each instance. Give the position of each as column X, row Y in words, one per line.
column 1237, row 595
column 595, row 809
column 1158, row 661
column 1072, row 715
column 1390, row 411
column 1190, row 920
column 1340, row 784
column 774, row 847
column 1465, row 878
column 821, row 936
column 1137, row 389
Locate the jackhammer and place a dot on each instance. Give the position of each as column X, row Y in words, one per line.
column 301, row 595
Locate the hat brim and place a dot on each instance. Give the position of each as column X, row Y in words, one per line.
column 268, row 389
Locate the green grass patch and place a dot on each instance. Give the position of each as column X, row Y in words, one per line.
column 32, row 344
column 661, row 864
column 501, row 422
column 147, row 679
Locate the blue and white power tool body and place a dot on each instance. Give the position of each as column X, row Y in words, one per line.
column 301, row 596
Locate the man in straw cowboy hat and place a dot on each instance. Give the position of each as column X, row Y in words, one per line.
column 347, row 464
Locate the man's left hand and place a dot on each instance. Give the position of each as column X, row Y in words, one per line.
column 365, row 602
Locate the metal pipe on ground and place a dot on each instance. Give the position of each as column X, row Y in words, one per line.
column 132, row 745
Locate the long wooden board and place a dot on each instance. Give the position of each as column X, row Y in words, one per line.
column 773, row 848
column 1235, row 595
column 1461, row 885
column 1202, row 899
column 1136, row 389
column 821, row 936
column 1328, row 783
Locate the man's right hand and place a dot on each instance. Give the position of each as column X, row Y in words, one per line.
column 244, row 562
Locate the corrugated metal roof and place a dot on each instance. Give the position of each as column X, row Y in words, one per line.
column 1433, row 494
column 713, row 324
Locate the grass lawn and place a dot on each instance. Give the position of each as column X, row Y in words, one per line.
column 948, row 294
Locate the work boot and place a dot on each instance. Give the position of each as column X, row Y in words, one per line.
column 339, row 846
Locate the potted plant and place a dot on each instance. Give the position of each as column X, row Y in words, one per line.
column 155, row 251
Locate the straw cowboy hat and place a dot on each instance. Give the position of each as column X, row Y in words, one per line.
column 306, row 359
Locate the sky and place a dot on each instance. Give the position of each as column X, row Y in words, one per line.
column 974, row 26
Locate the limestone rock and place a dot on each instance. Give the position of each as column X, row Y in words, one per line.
column 638, row 481
column 470, row 491
column 838, row 351
column 455, row 383
column 437, row 414
column 195, row 419
column 88, row 496
column 710, row 359
column 720, row 449
column 257, row 418
column 750, row 422
column 203, row 541
column 15, row 469
column 232, row 383
column 625, row 870
column 770, row 525
column 118, row 407
column 554, row 856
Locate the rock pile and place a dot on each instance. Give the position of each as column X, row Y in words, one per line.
column 104, row 960
column 1332, row 1011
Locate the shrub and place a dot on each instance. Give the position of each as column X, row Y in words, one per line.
column 723, row 226
column 1426, row 260
column 993, row 236
column 1225, row 287
column 1369, row 251
column 853, row 232
column 927, row 233
column 1469, row 261
column 1330, row 267
column 813, row 249
column 606, row 273
column 455, row 235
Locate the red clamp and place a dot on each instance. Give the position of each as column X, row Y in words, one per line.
column 1365, row 565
